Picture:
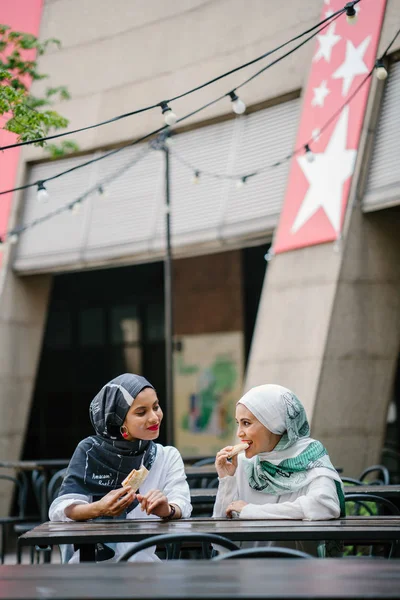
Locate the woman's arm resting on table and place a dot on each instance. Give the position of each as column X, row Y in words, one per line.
column 320, row 503
column 226, row 494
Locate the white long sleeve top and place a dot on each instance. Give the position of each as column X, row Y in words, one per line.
column 316, row 502
column 166, row 474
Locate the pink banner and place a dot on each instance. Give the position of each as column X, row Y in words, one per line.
column 20, row 15
column 318, row 189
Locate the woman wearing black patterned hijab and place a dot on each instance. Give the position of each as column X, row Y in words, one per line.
column 126, row 417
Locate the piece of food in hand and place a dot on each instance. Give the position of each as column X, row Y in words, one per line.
column 136, row 478
column 238, row 448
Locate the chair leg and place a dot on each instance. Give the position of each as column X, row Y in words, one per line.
column 3, row 543
column 19, row 553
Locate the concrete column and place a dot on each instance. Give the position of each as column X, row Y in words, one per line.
column 23, row 308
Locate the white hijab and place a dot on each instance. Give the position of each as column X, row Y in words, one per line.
column 299, row 459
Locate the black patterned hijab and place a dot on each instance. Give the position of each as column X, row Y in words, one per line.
column 101, row 462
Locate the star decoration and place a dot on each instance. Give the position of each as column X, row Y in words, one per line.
column 326, row 176
column 320, row 93
column 327, row 1
column 353, row 64
column 328, row 14
column 326, row 44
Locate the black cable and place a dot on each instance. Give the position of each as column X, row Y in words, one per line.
column 178, row 97
column 69, row 205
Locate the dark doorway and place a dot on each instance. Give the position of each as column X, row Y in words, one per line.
column 100, row 324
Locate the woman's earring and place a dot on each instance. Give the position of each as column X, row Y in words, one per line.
column 124, row 434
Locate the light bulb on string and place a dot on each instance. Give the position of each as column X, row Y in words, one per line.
column 238, row 106
column 310, row 156
column 13, row 238
column 196, row 177
column 42, row 193
column 380, row 70
column 240, row 182
column 170, row 117
column 269, row 255
column 75, row 207
column 102, row 191
column 351, row 13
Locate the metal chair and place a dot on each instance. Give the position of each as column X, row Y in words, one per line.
column 351, row 481
column 55, row 484
column 267, row 552
column 364, row 502
column 384, row 472
column 176, row 540
column 5, row 521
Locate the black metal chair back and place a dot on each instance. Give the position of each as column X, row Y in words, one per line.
column 351, row 481
column 55, row 484
column 176, row 540
column 366, row 502
column 384, row 475
column 20, row 487
column 266, row 552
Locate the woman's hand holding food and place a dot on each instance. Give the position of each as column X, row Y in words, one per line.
column 115, row 502
column 224, row 467
column 156, row 503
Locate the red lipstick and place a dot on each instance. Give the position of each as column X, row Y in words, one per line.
column 154, row 427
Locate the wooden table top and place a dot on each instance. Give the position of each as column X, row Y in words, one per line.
column 231, row 579
column 350, row 529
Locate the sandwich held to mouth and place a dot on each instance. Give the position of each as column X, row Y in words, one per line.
column 136, row 478
column 238, row 448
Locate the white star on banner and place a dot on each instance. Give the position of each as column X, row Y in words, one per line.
column 328, row 14
column 326, row 44
column 327, row 1
column 353, row 64
column 320, row 93
column 326, row 176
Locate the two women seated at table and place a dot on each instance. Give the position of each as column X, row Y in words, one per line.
column 284, row 473
column 126, row 417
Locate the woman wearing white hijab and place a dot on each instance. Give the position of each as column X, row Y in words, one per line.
column 284, row 474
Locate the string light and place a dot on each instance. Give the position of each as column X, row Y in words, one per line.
column 310, row 156
column 327, row 20
column 269, row 255
column 238, row 106
column 380, row 70
column 351, row 13
column 42, row 194
column 240, row 182
column 75, row 207
column 13, row 238
column 170, row 117
column 165, row 108
column 196, row 177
